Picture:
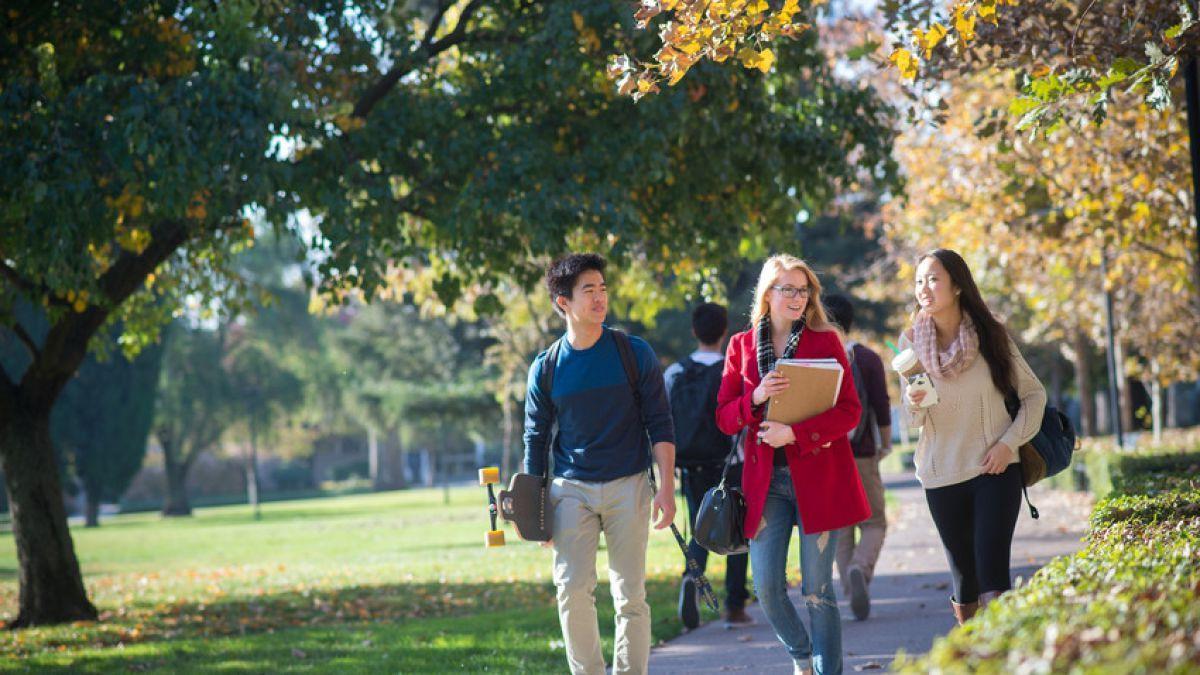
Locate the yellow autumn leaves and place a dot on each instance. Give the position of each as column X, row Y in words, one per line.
column 129, row 233
column 700, row 29
column 752, row 58
column 961, row 31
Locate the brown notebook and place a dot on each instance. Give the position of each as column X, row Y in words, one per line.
column 814, row 388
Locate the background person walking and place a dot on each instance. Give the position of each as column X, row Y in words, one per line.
column 700, row 452
column 870, row 441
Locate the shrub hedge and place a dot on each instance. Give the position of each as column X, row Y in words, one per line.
column 1129, row 602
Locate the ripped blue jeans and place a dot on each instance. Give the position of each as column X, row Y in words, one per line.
column 768, row 560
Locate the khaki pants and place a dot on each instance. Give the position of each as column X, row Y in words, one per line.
column 621, row 510
column 865, row 554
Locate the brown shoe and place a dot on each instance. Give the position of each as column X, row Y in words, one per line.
column 737, row 617
column 985, row 598
column 964, row 612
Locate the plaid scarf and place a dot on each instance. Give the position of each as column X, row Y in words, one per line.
column 766, row 347
column 956, row 358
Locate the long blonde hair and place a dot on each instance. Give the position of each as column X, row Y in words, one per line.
column 814, row 311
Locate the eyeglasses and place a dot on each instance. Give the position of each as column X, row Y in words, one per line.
column 790, row 292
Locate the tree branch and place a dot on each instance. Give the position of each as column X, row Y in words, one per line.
column 66, row 343
column 1150, row 248
column 428, row 49
column 200, row 442
column 25, row 337
column 32, row 290
column 1075, row 33
column 8, row 394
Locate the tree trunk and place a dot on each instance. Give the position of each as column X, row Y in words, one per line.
column 1173, row 416
column 1124, row 394
column 1156, row 401
column 176, row 502
column 91, row 508
column 252, row 476
column 1056, row 380
column 373, row 458
column 402, row 458
column 509, row 410
column 1083, row 382
column 51, row 586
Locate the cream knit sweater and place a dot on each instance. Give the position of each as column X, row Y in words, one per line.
column 969, row 418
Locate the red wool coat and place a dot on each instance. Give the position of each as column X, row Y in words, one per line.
column 829, row 492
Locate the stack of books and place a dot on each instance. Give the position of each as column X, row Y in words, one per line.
column 814, row 388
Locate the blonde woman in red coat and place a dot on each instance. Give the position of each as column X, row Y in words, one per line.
column 799, row 474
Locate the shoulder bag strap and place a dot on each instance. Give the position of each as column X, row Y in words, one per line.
column 546, row 383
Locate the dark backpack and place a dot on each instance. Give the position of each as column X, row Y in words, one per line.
column 693, row 398
column 866, row 421
column 1054, row 442
column 1049, row 452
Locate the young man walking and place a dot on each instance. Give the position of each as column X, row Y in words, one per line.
column 870, row 441
column 600, row 459
column 701, row 450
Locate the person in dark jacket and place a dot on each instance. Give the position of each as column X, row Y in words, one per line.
column 702, row 472
column 856, row 560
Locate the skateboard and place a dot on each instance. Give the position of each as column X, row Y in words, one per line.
column 523, row 504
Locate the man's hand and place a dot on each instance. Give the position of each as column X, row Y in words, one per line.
column 885, row 439
column 663, row 512
column 914, row 396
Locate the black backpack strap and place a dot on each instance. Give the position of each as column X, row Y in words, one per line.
column 629, row 365
column 1012, row 403
column 546, row 384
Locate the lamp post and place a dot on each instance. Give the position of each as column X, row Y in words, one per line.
column 1114, row 401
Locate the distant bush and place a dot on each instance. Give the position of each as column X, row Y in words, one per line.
column 293, row 475
column 1099, row 462
column 353, row 471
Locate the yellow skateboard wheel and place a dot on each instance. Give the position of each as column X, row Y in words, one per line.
column 495, row 538
column 489, row 475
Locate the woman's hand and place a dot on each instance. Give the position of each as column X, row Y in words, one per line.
column 998, row 458
column 776, row 434
column 915, row 396
column 772, row 384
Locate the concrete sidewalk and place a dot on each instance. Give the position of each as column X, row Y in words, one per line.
column 909, row 596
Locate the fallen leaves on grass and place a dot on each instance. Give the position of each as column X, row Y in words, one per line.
column 221, row 614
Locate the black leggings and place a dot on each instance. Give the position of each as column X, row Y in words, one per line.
column 976, row 520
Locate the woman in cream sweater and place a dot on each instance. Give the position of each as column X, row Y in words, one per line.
column 967, row 452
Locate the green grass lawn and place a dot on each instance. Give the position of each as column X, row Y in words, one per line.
column 392, row 582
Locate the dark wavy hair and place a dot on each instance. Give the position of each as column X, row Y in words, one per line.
column 993, row 336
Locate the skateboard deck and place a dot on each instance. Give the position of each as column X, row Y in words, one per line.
column 524, row 505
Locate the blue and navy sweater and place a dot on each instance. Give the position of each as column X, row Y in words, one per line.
column 600, row 434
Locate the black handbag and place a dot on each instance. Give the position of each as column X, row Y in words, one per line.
column 722, row 514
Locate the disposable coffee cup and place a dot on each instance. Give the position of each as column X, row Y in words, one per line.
column 907, row 364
